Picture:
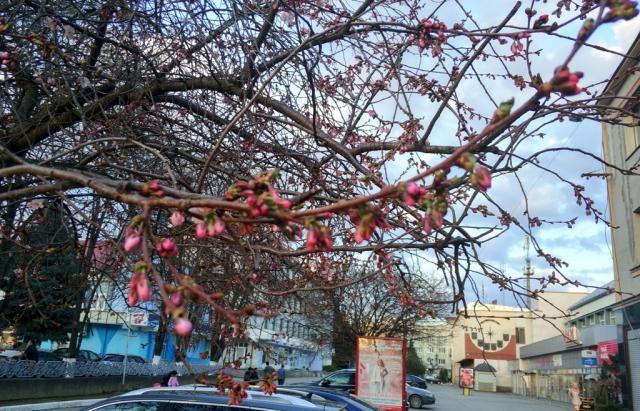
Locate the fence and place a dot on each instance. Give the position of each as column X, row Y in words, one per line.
column 52, row 369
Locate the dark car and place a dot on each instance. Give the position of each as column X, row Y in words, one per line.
column 48, row 356
column 83, row 355
column 415, row 381
column 120, row 358
column 351, row 402
column 344, row 380
column 178, row 402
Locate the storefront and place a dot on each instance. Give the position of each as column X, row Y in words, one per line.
column 548, row 367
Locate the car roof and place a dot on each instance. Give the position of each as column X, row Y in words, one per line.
column 253, row 403
column 196, row 390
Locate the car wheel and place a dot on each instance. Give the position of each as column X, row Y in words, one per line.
column 415, row 401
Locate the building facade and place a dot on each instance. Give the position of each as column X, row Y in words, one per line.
column 433, row 344
column 621, row 147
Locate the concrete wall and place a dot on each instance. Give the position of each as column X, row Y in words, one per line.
column 21, row 389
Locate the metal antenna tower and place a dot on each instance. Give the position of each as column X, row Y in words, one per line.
column 527, row 270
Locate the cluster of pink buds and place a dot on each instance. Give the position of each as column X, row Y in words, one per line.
column 434, row 205
column 480, row 175
column 133, row 234
column 223, row 381
column 425, row 39
column 268, row 384
column 166, row 248
column 318, row 236
column 152, row 189
column 139, row 288
column 237, row 393
column 259, row 194
column 367, row 218
column 564, row 81
column 413, row 193
column 620, row 9
column 211, row 226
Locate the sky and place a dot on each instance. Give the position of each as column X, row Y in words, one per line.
column 586, row 247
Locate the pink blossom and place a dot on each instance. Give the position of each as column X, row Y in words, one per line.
column 133, row 291
column 183, row 327
column 427, row 224
column 176, row 299
column 35, row 204
column 177, row 218
column 216, row 228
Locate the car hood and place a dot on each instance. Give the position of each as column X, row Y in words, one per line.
column 418, row 391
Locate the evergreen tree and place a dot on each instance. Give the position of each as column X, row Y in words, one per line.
column 39, row 273
column 414, row 364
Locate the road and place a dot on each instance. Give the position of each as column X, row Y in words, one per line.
column 450, row 398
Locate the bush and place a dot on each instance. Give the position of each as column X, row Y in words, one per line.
column 329, row 368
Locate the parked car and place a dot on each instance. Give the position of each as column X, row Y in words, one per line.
column 48, row 356
column 415, row 381
column 419, row 397
column 10, row 355
column 432, row 379
column 252, row 394
column 344, row 380
column 83, row 355
column 351, row 402
column 192, row 402
column 120, row 358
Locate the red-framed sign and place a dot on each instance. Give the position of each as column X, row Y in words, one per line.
column 381, row 371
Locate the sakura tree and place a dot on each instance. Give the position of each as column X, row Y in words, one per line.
column 281, row 142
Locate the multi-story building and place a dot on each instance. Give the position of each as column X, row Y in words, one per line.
column 494, row 334
column 432, row 343
column 621, row 147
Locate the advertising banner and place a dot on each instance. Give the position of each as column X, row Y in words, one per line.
column 380, row 373
column 605, row 350
column 466, row 377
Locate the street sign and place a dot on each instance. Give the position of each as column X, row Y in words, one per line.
column 589, row 362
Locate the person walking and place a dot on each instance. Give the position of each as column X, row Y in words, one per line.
column 247, row 374
column 574, row 394
column 281, row 375
column 268, row 370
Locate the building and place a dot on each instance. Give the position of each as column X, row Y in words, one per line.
column 548, row 366
column 494, row 334
column 432, row 343
column 621, row 147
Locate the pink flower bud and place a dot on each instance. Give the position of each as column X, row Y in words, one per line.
column 218, row 226
column 177, row 218
column 481, row 178
column 413, row 189
column 143, row 289
column 182, row 327
column 132, row 297
column 176, row 299
column 201, row 231
column 132, row 242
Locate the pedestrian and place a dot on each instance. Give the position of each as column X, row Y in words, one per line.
column 281, row 375
column 173, row 379
column 31, row 353
column 247, row 374
column 254, row 378
column 574, row 394
column 268, row 370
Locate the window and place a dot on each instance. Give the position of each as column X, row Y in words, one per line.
column 636, row 239
column 600, row 318
column 282, row 324
column 341, row 378
column 520, row 336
